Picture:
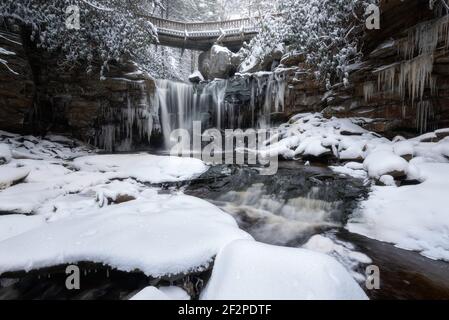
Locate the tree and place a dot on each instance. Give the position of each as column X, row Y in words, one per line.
column 109, row 29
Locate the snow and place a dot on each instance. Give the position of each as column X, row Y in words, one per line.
column 163, row 293
column 178, row 234
column 411, row 217
column 10, row 176
column 196, row 76
column 5, row 153
column 248, row 270
column 143, row 167
column 383, row 162
column 16, row 224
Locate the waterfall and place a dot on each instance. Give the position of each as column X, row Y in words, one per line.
column 237, row 103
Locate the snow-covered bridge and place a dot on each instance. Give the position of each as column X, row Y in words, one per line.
column 202, row 35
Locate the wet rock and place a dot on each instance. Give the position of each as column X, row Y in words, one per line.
column 196, row 77
column 218, row 62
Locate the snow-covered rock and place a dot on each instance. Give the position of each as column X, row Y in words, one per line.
column 160, row 235
column 5, row 153
column 380, row 163
column 143, row 167
column 196, row 77
column 256, row 271
column 15, row 224
column 163, row 293
column 218, row 62
column 412, row 217
column 10, row 176
column 342, row 251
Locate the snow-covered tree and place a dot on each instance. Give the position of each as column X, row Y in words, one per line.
column 109, row 29
column 326, row 31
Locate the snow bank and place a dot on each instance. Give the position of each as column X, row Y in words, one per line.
column 310, row 134
column 380, row 163
column 144, row 167
column 411, row 217
column 10, row 176
column 254, row 271
column 161, row 235
column 163, row 293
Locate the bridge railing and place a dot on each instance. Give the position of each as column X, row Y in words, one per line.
column 204, row 29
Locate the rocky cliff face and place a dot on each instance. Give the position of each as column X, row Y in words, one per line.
column 405, row 91
column 39, row 96
column 402, row 81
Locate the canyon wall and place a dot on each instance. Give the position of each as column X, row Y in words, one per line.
column 37, row 95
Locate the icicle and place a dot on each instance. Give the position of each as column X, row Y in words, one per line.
column 423, row 39
column 386, row 78
column 424, row 113
column 368, row 91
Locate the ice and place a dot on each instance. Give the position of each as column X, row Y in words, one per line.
column 163, row 293
column 411, row 217
column 249, row 270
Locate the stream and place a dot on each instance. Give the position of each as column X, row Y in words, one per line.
column 286, row 210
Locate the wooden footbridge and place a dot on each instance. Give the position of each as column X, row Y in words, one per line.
column 201, row 36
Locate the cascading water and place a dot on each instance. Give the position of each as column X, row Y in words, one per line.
column 241, row 102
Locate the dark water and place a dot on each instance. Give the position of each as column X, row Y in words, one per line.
column 285, row 209
column 246, row 195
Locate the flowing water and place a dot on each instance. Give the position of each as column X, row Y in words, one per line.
column 286, row 209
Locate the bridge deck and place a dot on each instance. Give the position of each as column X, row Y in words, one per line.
column 202, row 35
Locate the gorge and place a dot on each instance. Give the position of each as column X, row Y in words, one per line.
column 360, row 137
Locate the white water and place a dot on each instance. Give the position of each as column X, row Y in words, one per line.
column 275, row 220
column 215, row 106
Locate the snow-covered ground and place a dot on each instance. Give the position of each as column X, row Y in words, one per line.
column 413, row 217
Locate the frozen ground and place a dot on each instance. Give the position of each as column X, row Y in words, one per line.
column 61, row 203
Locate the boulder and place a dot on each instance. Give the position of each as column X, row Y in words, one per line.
column 196, row 77
column 218, row 62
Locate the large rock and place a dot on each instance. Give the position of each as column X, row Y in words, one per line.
column 267, row 63
column 218, row 62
